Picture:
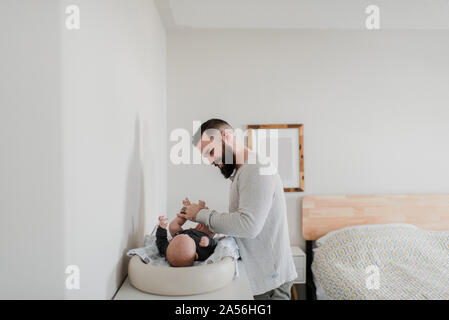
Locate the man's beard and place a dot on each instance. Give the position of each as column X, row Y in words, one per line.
column 228, row 168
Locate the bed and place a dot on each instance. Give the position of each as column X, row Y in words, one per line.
column 377, row 246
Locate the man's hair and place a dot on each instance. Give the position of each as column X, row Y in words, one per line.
column 217, row 124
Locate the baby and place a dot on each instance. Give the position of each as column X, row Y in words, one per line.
column 187, row 245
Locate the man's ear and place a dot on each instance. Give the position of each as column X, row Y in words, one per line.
column 196, row 256
column 227, row 136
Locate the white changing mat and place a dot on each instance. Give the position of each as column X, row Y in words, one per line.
column 149, row 253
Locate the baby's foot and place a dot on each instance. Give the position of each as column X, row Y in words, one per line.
column 163, row 222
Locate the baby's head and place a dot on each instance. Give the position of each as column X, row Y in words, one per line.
column 181, row 251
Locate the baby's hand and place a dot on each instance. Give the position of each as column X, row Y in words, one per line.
column 202, row 204
column 204, row 242
column 163, row 222
column 186, row 202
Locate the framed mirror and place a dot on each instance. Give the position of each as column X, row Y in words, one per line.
column 288, row 140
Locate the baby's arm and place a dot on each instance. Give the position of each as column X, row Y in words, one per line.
column 204, row 242
column 177, row 223
column 205, row 248
column 201, row 227
column 161, row 236
column 207, row 242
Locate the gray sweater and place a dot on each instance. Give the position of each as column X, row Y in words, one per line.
column 257, row 218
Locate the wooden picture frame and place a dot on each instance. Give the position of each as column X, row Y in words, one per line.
column 299, row 186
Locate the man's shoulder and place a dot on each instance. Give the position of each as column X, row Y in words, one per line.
column 258, row 169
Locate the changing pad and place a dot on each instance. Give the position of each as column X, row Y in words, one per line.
column 150, row 272
column 226, row 247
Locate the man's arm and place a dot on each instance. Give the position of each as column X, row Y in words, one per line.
column 256, row 194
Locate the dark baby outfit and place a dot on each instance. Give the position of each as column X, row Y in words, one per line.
column 203, row 252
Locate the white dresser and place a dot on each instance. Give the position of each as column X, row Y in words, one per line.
column 299, row 258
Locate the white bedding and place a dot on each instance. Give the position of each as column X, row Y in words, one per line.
column 408, row 263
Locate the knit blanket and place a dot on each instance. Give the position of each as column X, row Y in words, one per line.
column 393, row 261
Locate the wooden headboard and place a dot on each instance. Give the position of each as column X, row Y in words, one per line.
column 321, row 214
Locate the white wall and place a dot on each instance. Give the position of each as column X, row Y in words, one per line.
column 31, row 186
column 114, row 125
column 374, row 106
column 83, row 147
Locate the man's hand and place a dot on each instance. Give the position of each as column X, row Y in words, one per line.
column 163, row 222
column 192, row 210
column 204, row 242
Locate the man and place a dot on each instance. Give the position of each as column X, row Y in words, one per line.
column 257, row 212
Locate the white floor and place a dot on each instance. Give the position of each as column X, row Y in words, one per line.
column 238, row 289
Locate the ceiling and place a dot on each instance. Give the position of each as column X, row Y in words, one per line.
column 302, row 14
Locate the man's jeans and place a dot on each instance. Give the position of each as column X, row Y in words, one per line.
column 282, row 292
